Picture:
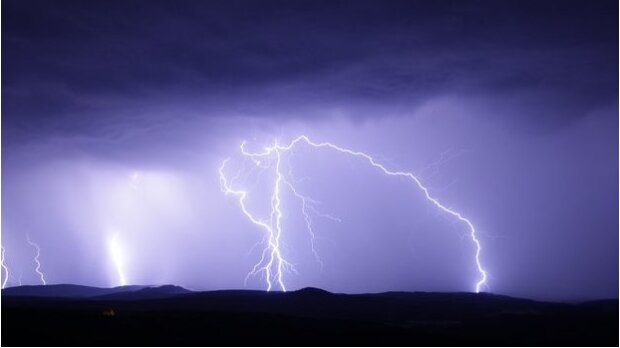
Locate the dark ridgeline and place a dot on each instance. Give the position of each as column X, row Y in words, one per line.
column 173, row 316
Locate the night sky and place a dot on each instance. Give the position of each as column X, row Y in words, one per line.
column 116, row 116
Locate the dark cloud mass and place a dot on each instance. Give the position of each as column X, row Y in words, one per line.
column 101, row 56
column 525, row 90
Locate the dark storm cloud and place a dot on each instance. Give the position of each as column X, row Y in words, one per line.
column 69, row 63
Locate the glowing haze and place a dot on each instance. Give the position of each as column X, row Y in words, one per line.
column 447, row 146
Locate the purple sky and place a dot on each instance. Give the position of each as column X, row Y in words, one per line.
column 117, row 114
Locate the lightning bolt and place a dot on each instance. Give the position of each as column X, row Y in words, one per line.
column 116, row 253
column 36, row 259
column 5, row 268
column 272, row 263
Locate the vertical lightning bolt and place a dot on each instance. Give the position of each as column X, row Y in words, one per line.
column 36, row 259
column 276, row 201
column 5, row 268
column 118, row 259
column 272, row 263
column 274, row 230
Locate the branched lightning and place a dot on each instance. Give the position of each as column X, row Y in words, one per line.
column 272, row 263
column 36, row 259
column 307, row 208
column 5, row 268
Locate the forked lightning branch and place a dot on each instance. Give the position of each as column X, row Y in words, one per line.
column 273, row 264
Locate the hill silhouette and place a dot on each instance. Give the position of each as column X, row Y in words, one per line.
column 172, row 315
column 65, row 290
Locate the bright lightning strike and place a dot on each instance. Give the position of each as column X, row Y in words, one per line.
column 116, row 253
column 272, row 264
column 36, row 260
column 5, row 268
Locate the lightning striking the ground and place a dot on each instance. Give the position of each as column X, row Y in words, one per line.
column 272, row 264
column 6, row 270
column 118, row 259
column 36, row 259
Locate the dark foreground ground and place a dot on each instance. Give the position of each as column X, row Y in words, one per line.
column 74, row 315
